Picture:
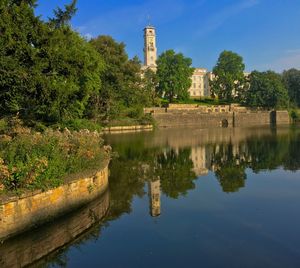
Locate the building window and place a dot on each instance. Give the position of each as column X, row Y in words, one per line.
column 194, row 85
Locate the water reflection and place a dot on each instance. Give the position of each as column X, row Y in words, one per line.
column 168, row 164
column 180, row 156
column 154, row 197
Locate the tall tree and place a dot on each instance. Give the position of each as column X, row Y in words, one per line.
column 121, row 89
column 291, row 80
column 63, row 16
column 266, row 90
column 174, row 73
column 229, row 79
column 45, row 74
column 150, row 82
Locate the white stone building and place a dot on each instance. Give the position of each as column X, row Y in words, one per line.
column 200, row 83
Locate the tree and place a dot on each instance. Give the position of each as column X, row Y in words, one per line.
column 46, row 74
column 174, row 73
column 121, row 93
column 266, row 90
column 63, row 17
column 291, row 80
column 150, row 82
column 229, row 76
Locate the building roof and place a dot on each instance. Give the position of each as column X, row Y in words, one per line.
column 149, row 27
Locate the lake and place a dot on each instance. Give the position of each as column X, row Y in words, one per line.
column 226, row 197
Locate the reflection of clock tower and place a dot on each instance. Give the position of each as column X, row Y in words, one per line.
column 150, row 50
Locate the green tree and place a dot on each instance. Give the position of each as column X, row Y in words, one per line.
column 122, row 93
column 63, row 17
column 46, row 73
column 150, row 82
column 266, row 90
column 291, row 80
column 174, row 73
column 229, row 79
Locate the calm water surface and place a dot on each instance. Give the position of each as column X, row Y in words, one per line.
column 189, row 198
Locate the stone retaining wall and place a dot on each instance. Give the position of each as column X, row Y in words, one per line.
column 215, row 116
column 189, row 118
column 32, row 246
column 128, row 128
column 283, row 117
column 18, row 214
column 250, row 118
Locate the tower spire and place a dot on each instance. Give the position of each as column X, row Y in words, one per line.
column 149, row 20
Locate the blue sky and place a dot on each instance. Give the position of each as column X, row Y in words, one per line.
column 265, row 32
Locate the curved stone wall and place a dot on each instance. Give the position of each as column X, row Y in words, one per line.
column 35, row 246
column 20, row 213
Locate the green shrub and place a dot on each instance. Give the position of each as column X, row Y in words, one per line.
column 3, row 125
column 294, row 114
column 79, row 124
column 39, row 161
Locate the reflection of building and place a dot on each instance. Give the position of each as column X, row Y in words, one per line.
column 199, row 158
column 154, row 197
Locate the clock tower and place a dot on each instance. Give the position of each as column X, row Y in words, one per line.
column 150, row 50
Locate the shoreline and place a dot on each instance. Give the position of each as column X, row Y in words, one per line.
column 34, row 208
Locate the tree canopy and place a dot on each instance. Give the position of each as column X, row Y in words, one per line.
column 63, row 17
column 266, row 90
column 46, row 74
column 229, row 76
column 291, row 79
column 121, row 93
column 174, row 73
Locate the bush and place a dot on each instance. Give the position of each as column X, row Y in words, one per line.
column 78, row 124
column 3, row 125
column 294, row 114
column 39, row 161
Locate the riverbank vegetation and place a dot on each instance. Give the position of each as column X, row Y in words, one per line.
column 33, row 160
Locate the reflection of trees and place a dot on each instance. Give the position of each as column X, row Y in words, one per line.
column 125, row 182
column 137, row 164
column 271, row 152
column 231, row 178
column 292, row 159
column 229, row 161
column 175, row 171
column 229, row 166
column 267, row 152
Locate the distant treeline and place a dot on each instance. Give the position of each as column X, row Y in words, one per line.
column 257, row 89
